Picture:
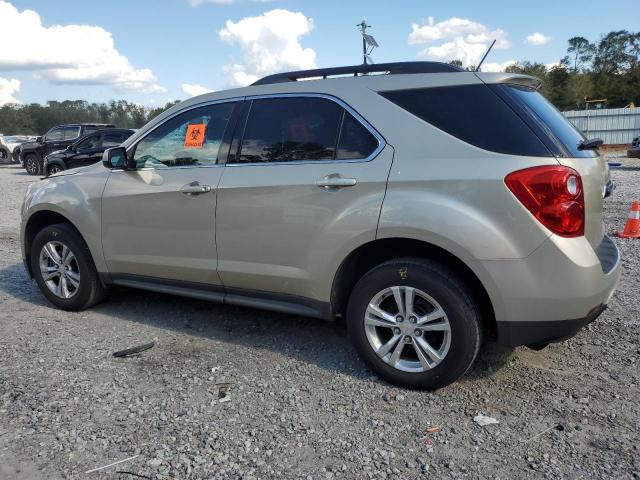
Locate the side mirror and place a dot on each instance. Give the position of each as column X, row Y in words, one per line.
column 69, row 147
column 115, row 157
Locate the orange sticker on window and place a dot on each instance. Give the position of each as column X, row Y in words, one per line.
column 195, row 136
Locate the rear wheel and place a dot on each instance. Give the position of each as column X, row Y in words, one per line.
column 63, row 268
column 414, row 323
column 31, row 164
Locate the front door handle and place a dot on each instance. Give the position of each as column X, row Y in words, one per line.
column 335, row 181
column 194, row 188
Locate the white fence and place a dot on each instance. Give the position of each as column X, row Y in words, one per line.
column 615, row 126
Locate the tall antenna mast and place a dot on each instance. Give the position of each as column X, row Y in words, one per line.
column 368, row 42
column 485, row 55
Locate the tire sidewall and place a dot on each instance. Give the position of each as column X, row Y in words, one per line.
column 66, row 236
column 448, row 292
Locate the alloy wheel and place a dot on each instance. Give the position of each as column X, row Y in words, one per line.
column 59, row 269
column 407, row 328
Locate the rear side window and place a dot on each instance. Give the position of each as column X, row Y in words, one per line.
column 560, row 136
column 473, row 114
column 288, row 129
column 302, row 129
column 71, row 133
column 355, row 140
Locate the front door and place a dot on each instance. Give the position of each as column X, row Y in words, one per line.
column 306, row 182
column 159, row 219
column 84, row 152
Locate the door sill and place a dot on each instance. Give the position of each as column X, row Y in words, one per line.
column 276, row 302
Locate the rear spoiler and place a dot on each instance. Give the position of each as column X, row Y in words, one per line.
column 512, row 78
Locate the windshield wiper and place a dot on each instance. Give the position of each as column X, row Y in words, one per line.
column 590, row 144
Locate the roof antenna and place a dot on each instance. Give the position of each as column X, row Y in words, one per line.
column 368, row 42
column 485, row 56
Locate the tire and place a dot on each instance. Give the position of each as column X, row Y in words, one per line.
column 53, row 169
column 438, row 292
column 89, row 289
column 5, row 155
column 32, row 164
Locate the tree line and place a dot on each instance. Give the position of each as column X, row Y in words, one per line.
column 605, row 70
column 36, row 119
column 608, row 69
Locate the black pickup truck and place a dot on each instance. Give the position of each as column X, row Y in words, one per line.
column 58, row 138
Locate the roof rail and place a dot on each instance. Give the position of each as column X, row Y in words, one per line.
column 390, row 68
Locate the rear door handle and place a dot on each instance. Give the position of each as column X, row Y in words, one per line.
column 194, row 188
column 334, row 181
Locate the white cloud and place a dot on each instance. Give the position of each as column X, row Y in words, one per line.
column 497, row 67
column 270, row 43
column 455, row 39
column 537, row 39
column 8, row 88
column 70, row 54
column 194, row 90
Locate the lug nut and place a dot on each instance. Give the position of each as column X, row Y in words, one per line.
column 407, row 339
column 396, row 331
column 399, row 319
column 413, row 319
column 417, row 332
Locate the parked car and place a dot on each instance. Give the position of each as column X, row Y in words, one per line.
column 634, row 150
column 86, row 150
column 8, row 145
column 426, row 205
column 32, row 153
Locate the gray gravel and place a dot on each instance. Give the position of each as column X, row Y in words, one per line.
column 236, row 393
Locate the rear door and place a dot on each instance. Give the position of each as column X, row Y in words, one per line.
column 54, row 140
column 304, row 181
column 159, row 219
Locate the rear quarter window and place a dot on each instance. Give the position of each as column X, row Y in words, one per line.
column 473, row 114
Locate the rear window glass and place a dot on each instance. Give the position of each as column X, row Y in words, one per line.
column 558, row 133
column 473, row 114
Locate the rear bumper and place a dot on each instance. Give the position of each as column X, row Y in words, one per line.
column 534, row 333
column 554, row 292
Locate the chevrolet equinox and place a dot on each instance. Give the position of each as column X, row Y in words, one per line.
column 423, row 204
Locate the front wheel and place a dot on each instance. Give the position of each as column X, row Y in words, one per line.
column 53, row 169
column 414, row 323
column 63, row 268
column 31, row 164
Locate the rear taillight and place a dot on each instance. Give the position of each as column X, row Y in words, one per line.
column 553, row 194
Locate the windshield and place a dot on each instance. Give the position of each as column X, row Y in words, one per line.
column 558, row 133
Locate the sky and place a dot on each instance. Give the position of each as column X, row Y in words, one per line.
column 151, row 52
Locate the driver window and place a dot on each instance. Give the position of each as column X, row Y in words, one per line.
column 90, row 143
column 54, row 135
column 190, row 139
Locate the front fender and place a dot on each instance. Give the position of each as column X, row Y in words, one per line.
column 77, row 198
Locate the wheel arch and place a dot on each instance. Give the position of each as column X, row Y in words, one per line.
column 38, row 221
column 370, row 254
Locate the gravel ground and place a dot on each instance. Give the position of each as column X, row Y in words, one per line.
column 237, row 393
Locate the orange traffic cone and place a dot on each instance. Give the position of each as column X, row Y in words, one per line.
column 632, row 228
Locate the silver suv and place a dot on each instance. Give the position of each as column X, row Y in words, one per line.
column 425, row 205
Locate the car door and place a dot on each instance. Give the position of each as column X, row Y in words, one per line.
column 303, row 185
column 158, row 219
column 54, row 140
column 84, row 152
